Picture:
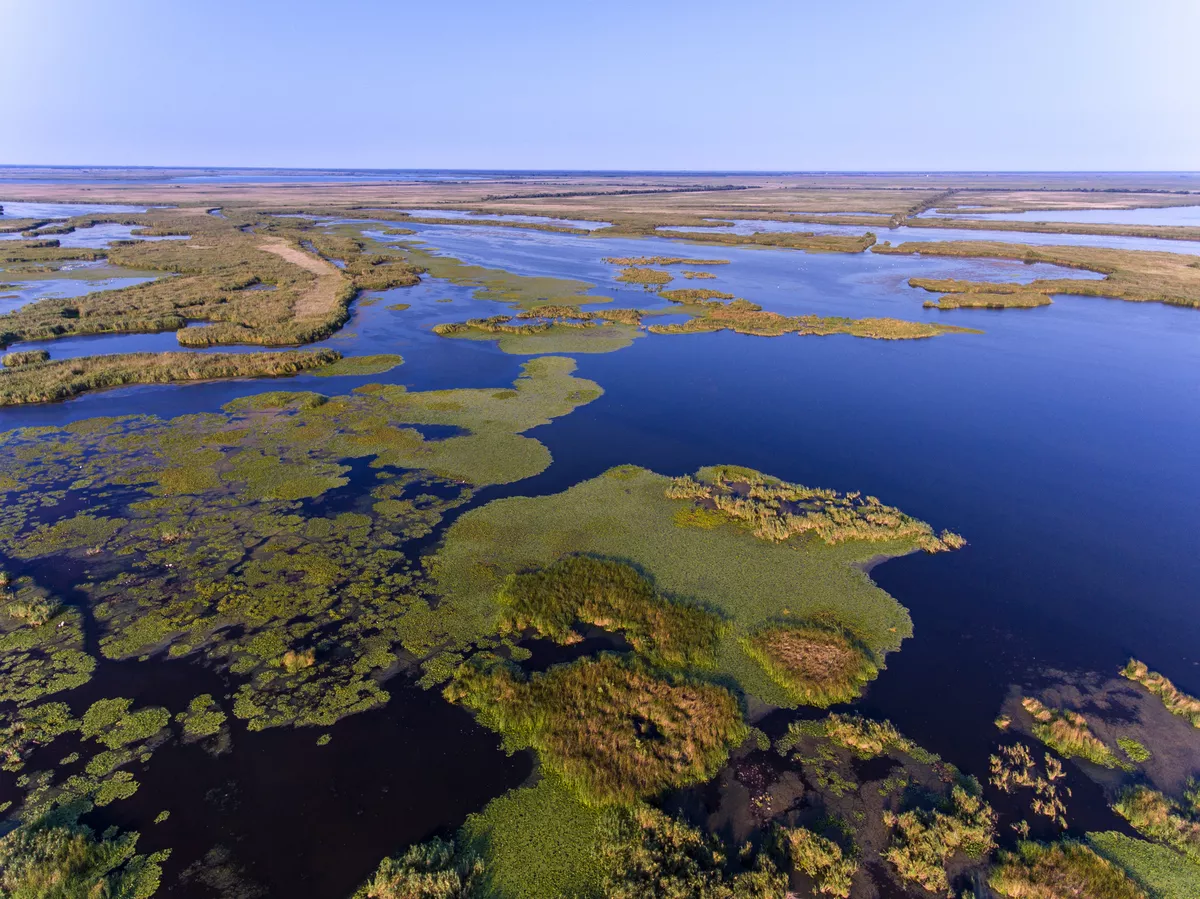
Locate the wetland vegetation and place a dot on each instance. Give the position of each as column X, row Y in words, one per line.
column 310, row 556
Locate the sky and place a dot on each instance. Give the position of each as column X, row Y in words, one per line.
column 748, row 86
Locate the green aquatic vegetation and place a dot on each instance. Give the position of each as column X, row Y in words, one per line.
column 45, row 382
column 1067, row 733
column 612, row 730
column 59, row 858
column 924, row 840
column 995, row 300
column 791, row 240
column 823, row 861
column 647, row 276
column 1159, row 818
column 703, row 276
column 398, row 307
column 628, row 514
column 816, row 664
column 210, row 272
column 1176, row 701
column 433, row 870
column 744, row 317
column 111, row 722
column 613, row 596
column 1013, row 767
column 506, row 287
column 695, row 296
column 1160, row 871
column 26, row 357
column 537, row 842
column 778, row 511
column 40, row 653
column 203, row 718
column 551, row 329
column 1133, row 750
column 647, row 854
column 217, row 560
column 25, row 729
column 360, row 365
column 1065, row 869
column 632, row 261
column 864, row 737
column 1134, row 275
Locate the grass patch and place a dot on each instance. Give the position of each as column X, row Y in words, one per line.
column 538, row 843
column 1176, row 701
column 647, row 276
column 649, row 854
column 629, row 514
column 551, row 329
column 1134, row 750
column 1067, row 733
column 822, row 861
column 1163, row 820
column 924, row 840
column 613, row 596
column 58, row 857
column 1135, row 275
column 995, row 300
column 398, row 307
column 817, row 665
column 1065, row 869
column 433, row 870
column 661, row 260
column 47, row 382
column 613, row 731
column 360, row 365
column 1156, row 869
column 27, row 357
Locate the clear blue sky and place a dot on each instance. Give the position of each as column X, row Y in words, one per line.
column 1054, row 84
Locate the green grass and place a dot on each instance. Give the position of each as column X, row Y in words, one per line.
column 538, row 843
column 992, row 300
column 1159, row 818
column 817, row 665
column 1176, row 701
column 1134, row 750
column 551, row 329
column 1135, row 275
column 1067, row 733
column 823, row 861
column 612, row 595
column 628, row 515
column 360, row 365
column 647, row 276
column 27, row 357
column 1065, row 869
column 660, row 260
column 58, row 858
column 613, row 731
column 1160, row 871
column 433, row 870
column 46, row 382
column 924, row 840
column 649, row 854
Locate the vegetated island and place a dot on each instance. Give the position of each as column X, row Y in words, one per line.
column 1135, row 275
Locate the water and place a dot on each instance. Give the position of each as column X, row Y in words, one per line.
column 905, row 233
column 1054, row 441
column 20, row 210
column 506, row 217
column 1158, row 215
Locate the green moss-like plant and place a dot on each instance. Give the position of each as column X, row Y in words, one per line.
column 923, row 841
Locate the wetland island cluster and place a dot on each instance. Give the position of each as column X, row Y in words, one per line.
column 580, row 536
